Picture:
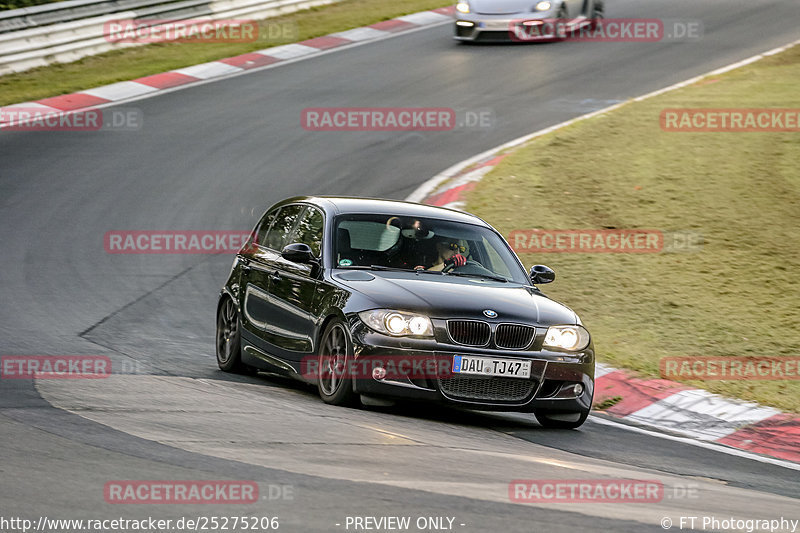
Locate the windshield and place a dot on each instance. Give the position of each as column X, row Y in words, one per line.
column 424, row 244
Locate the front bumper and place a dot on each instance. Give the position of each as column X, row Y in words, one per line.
column 496, row 28
column 550, row 386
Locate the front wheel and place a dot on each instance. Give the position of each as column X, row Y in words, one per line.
column 554, row 420
column 335, row 352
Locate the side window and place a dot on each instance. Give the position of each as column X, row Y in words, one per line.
column 263, row 227
column 309, row 230
column 282, row 227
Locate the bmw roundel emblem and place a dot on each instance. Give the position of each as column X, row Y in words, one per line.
column 489, row 313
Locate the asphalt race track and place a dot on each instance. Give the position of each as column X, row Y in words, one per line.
column 213, row 157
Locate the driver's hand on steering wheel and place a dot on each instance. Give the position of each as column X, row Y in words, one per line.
column 457, row 260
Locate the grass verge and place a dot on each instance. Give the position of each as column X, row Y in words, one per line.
column 738, row 295
column 135, row 62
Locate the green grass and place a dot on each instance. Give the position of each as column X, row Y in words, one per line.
column 135, row 62
column 18, row 4
column 740, row 294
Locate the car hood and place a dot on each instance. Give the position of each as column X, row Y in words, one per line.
column 501, row 7
column 458, row 297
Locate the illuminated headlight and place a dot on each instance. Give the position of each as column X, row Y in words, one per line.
column 572, row 338
column 397, row 323
column 462, row 7
column 543, row 6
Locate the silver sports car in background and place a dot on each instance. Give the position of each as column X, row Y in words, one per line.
column 523, row 20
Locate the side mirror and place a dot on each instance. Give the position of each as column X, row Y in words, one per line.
column 298, row 252
column 542, row 274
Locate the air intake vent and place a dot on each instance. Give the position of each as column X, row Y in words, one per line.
column 513, row 336
column 479, row 388
column 469, row 332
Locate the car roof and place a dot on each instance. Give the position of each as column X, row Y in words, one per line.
column 337, row 205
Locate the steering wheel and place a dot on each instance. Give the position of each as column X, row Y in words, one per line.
column 452, row 266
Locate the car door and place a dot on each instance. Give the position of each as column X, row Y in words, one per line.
column 254, row 280
column 286, row 322
column 292, row 290
column 259, row 268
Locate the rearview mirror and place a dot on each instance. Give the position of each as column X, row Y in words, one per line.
column 298, row 252
column 542, row 274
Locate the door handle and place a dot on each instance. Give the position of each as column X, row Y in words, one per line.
column 275, row 276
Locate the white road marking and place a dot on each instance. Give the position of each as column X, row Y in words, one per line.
column 360, row 34
column 426, row 18
column 206, row 71
column 289, row 51
column 120, row 91
column 701, row 414
column 699, row 443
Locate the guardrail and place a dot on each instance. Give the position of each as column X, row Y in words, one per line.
column 66, row 31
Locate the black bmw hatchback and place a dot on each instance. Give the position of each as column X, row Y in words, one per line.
column 377, row 300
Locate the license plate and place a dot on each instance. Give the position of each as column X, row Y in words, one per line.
column 497, row 25
column 491, row 366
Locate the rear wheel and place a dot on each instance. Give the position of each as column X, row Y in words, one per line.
column 229, row 345
column 555, row 420
column 335, row 352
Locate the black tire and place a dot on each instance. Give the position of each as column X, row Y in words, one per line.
column 598, row 14
column 228, row 338
column 333, row 379
column 553, row 420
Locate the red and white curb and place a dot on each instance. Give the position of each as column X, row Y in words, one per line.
column 223, row 68
column 699, row 414
column 658, row 403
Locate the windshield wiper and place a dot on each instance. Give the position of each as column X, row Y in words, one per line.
column 387, row 268
column 397, row 269
column 487, row 276
column 400, row 269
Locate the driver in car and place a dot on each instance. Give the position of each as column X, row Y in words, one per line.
column 449, row 253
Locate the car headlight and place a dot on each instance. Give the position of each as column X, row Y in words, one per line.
column 397, row 323
column 572, row 338
column 462, row 7
column 543, row 6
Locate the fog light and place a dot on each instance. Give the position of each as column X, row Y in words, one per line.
column 378, row 373
column 465, row 23
column 578, row 389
